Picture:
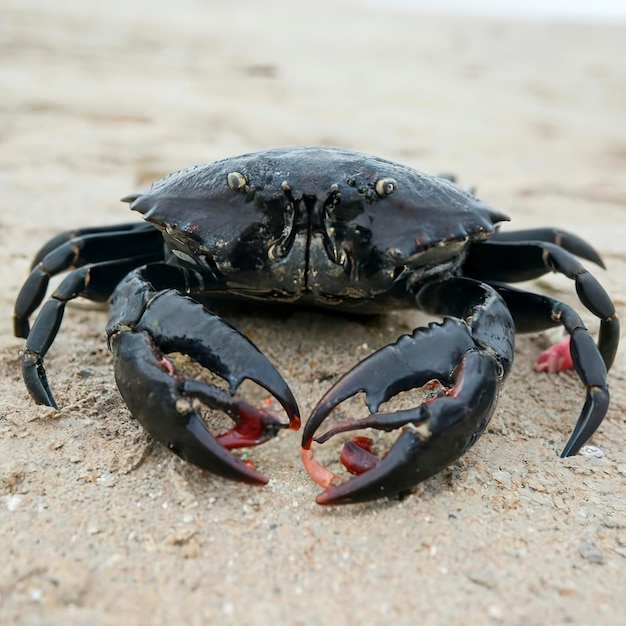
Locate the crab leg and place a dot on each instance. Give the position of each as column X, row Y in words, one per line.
column 74, row 249
column 533, row 312
column 518, row 261
column 143, row 327
column 95, row 282
column 562, row 238
column 471, row 352
column 75, row 235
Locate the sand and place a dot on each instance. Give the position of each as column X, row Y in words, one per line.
column 99, row 527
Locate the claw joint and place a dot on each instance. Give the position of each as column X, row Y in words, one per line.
column 421, row 430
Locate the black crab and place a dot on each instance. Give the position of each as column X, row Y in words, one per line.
column 331, row 228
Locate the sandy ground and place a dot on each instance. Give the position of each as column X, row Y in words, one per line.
column 98, row 99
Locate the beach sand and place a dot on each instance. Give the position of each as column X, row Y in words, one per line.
column 99, row 527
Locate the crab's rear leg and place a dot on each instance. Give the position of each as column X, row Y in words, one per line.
column 534, row 312
column 74, row 236
column 95, row 282
column 76, row 249
column 470, row 353
column 145, row 325
column 557, row 236
column 513, row 261
column 510, row 259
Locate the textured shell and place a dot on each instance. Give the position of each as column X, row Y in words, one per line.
column 319, row 225
column 422, row 211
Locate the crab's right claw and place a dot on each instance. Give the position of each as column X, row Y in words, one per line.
column 443, row 357
column 165, row 400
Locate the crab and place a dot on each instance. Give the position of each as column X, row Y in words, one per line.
column 330, row 228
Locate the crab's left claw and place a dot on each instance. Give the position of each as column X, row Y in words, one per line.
column 166, row 401
column 435, row 433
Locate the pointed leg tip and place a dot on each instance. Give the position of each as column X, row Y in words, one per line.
column 593, row 414
column 571, row 448
column 36, row 382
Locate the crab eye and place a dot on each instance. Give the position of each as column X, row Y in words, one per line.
column 385, row 186
column 236, row 180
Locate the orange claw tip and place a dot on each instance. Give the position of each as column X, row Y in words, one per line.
column 290, row 407
column 319, row 474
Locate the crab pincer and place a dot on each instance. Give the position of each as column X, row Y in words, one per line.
column 434, row 434
column 461, row 363
column 167, row 402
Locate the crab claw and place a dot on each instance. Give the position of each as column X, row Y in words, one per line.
column 165, row 400
column 434, row 434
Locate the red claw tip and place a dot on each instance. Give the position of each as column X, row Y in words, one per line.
column 357, row 456
column 556, row 358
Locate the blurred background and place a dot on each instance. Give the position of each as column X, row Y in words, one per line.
column 563, row 10
column 121, row 94
column 527, row 100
